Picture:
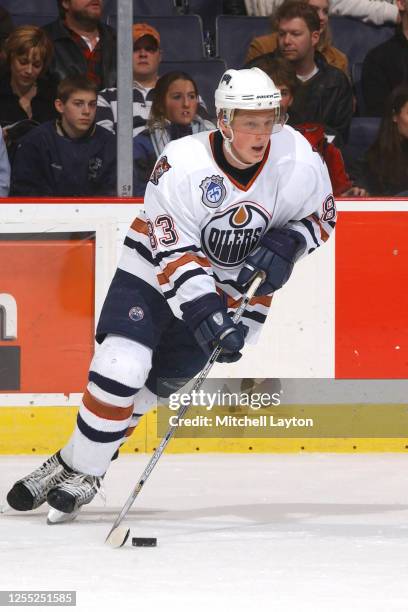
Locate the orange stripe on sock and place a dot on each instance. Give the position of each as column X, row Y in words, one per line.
column 106, row 411
column 129, row 431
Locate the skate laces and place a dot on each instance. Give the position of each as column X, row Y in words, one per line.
column 44, row 477
column 83, row 487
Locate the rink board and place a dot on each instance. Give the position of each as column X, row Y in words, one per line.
column 342, row 315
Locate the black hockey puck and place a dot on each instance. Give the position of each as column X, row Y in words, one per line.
column 144, row 541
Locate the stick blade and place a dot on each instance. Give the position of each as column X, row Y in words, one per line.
column 118, row 537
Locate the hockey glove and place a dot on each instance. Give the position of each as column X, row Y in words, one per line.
column 276, row 255
column 212, row 325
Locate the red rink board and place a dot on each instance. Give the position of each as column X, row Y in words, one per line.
column 371, row 316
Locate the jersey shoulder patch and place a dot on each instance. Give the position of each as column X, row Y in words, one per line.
column 162, row 166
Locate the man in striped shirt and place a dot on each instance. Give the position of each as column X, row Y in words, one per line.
column 146, row 60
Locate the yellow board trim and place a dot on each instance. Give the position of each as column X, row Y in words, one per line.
column 44, row 429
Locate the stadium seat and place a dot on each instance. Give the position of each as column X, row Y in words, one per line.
column 37, row 19
column 153, row 7
column 355, row 38
column 363, row 131
column 208, row 11
column 206, row 73
column 233, row 35
column 39, row 7
column 356, row 70
column 181, row 37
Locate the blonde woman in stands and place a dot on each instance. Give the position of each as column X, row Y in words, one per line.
column 269, row 42
column 26, row 97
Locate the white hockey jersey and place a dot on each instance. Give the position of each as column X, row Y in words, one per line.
column 199, row 224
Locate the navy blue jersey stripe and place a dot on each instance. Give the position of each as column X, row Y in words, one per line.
column 182, row 279
column 99, row 436
column 140, row 248
column 230, row 282
column 309, row 226
column 160, row 256
column 254, row 316
column 111, row 386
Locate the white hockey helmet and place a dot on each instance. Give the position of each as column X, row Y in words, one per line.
column 247, row 89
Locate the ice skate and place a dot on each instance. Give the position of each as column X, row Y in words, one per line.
column 30, row 492
column 69, row 495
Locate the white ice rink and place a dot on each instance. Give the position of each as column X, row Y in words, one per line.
column 313, row 532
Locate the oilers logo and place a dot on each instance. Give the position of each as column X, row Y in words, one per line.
column 136, row 313
column 232, row 234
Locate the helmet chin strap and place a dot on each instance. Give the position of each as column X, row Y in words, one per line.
column 228, row 148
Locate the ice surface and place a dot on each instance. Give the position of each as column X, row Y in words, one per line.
column 278, row 533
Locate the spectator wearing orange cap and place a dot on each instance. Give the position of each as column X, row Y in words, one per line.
column 83, row 44
column 146, row 60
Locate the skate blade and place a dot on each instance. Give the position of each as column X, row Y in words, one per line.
column 55, row 516
column 5, row 508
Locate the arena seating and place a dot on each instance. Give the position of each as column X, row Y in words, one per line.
column 41, row 7
column 363, row 131
column 233, row 35
column 150, row 7
column 355, row 38
column 208, row 11
column 37, row 19
column 181, row 37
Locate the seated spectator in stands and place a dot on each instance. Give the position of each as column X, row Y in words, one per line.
column 372, row 11
column 325, row 95
column 384, row 169
column 283, row 74
column 83, row 43
column 4, row 169
column 385, row 66
column 265, row 44
column 173, row 115
column 69, row 157
column 146, row 60
column 26, row 97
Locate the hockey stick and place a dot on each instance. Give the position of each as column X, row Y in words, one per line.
column 117, row 536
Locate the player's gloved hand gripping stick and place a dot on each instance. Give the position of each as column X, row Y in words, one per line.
column 276, row 255
column 118, row 535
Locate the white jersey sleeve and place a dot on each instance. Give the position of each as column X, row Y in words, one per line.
column 316, row 217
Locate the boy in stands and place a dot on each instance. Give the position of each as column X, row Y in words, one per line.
column 69, row 157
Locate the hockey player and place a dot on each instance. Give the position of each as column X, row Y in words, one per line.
column 219, row 206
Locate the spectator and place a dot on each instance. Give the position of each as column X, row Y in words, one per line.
column 284, row 76
column 385, row 67
column 83, row 44
column 384, row 169
column 70, row 157
column 173, row 115
column 269, row 42
column 372, row 11
column 4, row 169
column 26, row 97
column 146, row 60
column 325, row 95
